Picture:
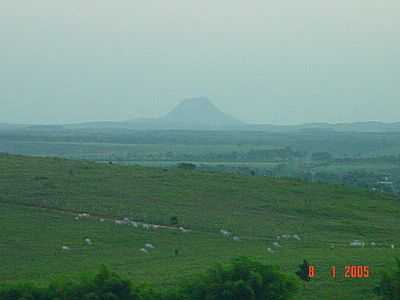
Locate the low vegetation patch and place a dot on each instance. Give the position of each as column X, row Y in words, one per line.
column 243, row 279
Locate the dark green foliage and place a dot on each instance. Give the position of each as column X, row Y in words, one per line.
column 104, row 286
column 389, row 288
column 174, row 220
column 303, row 271
column 244, row 279
column 24, row 292
column 186, row 166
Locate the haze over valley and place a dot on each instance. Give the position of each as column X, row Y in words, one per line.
column 199, row 150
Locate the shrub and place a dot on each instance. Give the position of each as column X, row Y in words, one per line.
column 303, row 272
column 174, row 220
column 23, row 292
column 243, row 279
column 186, row 166
column 104, row 286
column 389, row 287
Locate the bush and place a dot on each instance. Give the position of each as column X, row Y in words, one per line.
column 303, row 272
column 174, row 220
column 104, row 286
column 243, row 279
column 389, row 288
column 23, row 292
column 186, row 166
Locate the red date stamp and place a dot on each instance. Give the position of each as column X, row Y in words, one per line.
column 349, row 272
column 356, row 272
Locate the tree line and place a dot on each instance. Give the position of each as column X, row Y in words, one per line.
column 242, row 279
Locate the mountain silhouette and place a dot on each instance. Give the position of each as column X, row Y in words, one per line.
column 201, row 114
column 196, row 113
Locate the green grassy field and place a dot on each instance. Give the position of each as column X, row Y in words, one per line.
column 40, row 197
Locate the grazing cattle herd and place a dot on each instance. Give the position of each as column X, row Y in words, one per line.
column 225, row 233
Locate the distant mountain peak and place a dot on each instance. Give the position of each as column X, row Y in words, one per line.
column 197, row 100
column 200, row 112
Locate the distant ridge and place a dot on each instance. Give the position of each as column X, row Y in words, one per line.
column 371, row 126
column 201, row 114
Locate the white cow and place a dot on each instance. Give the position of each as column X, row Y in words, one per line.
column 276, row 244
column 88, row 241
column 357, row 243
column 236, row 238
column 149, row 246
column 296, row 237
column 65, row 248
column 183, row 229
column 225, row 232
column 144, row 250
column 270, row 250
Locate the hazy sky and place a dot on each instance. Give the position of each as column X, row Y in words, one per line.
column 280, row 62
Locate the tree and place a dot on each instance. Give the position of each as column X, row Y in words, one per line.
column 304, row 272
column 389, row 287
column 186, row 166
column 174, row 220
column 106, row 285
column 243, row 279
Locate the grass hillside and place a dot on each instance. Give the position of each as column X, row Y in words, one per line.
column 40, row 198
